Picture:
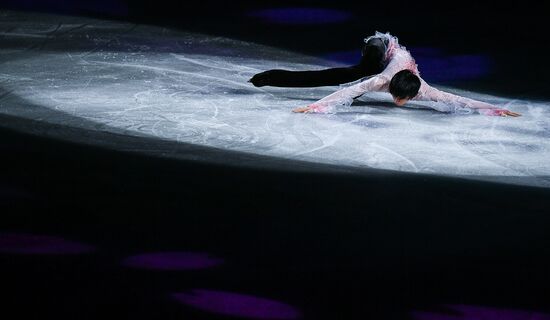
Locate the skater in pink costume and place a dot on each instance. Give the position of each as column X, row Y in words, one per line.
column 399, row 76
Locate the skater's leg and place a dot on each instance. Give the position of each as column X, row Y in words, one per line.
column 371, row 63
column 317, row 78
column 372, row 60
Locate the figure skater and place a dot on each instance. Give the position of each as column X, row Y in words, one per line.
column 385, row 66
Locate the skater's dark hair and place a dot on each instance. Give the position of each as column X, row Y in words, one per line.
column 404, row 84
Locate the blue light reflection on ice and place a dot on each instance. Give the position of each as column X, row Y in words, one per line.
column 434, row 64
column 301, row 15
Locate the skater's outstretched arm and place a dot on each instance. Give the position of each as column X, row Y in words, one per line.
column 429, row 93
column 344, row 97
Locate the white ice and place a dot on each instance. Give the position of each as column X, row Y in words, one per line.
column 192, row 88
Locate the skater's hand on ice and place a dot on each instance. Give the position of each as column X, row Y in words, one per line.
column 506, row 113
column 312, row 108
column 307, row 109
column 499, row 112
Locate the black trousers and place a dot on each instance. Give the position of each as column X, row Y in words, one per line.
column 372, row 62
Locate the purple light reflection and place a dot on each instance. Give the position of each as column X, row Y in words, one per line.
column 301, row 15
column 239, row 305
column 433, row 63
column 467, row 312
column 172, row 261
column 346, row 57
column 18, row 243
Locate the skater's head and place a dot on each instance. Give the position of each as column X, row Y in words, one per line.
column 404, row 86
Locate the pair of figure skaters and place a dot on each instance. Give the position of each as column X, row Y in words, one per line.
column 385, row 66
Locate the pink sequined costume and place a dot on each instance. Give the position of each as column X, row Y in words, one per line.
column 398, row 58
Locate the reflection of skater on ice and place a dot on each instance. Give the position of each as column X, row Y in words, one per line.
column 385, row 66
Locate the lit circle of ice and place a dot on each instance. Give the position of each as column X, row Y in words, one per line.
column 191, row 89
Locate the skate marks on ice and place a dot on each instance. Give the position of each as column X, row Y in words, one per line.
column 141, row 80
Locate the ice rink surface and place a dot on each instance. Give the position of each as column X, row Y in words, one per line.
column 171, row 85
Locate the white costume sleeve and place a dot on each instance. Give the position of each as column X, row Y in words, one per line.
column 449, row 102
column 344, row 97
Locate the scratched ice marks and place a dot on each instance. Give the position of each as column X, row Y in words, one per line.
column 192, row 88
